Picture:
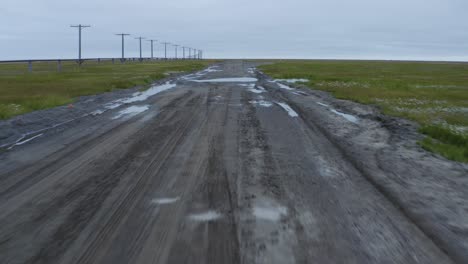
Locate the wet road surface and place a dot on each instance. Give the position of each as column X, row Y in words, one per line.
column 209, row 170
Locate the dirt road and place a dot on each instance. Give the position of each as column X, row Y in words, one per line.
column 206, row 169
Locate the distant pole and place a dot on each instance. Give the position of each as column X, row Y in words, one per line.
column 190, row 53
column 123, row 44
column 80, row 27
column 165, row 49
column 141, row 54
column 152, row 40
column 176, row 48
column 183, row 54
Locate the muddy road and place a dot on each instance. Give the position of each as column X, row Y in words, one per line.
column 229, row 166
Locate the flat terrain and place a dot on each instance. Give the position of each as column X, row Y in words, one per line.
column 226, row 166
column 434, row 94
column 22, row 92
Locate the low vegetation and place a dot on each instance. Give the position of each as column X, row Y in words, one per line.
column 435, row 94
column 22, row 92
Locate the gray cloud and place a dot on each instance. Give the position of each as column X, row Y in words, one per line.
column 366, row 29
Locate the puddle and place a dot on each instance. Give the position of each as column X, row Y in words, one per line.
column 163, row 201
column 140, row 96
column 348, row 117
column 248, row 85
column 262, row 103
column 206, row 216
column 227, row 80
column 288, row 109
column 282, row 86
column 22, row 142
column 97, row 112
column 322, row 104
column 257, row 90
column 213, row 69
column 270, row 213
column 292, row 80
column 132, row 110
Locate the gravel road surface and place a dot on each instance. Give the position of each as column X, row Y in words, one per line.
column 228, row 166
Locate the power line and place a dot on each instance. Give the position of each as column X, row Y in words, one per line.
column 123, row 44
column 80, row 27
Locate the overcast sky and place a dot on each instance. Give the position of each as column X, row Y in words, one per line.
column 347, row 29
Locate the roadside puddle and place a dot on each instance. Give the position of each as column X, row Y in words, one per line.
column 348, row 117
column 322, row 104
column 288, row 109
column 292, row 80
column 285, row 87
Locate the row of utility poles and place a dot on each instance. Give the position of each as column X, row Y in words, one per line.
column 192, row 53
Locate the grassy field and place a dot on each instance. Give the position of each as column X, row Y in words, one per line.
column 431, row 93
column 22, row 92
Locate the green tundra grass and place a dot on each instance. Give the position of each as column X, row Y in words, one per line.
column 435, row 94
column 22, row 92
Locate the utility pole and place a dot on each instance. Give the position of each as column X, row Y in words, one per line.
column 190, row 53
column 183, row 54
column 152, row 40
column 141, row 55
column 80, row 27
column 123, row 45
column 165, row 49
column 176, row 48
